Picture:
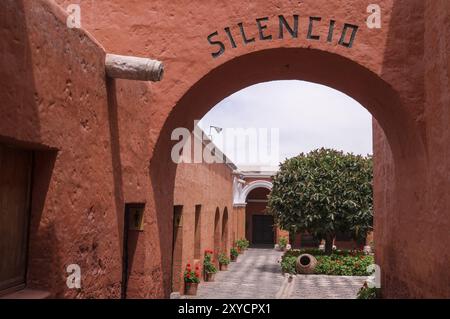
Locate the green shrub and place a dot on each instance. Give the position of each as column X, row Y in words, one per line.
column 288, row 264
column 282, row 243
column 368, row 293
column 242, row 244
column 234, row 252
column 340, row 263
column 208, row 265
column 298, row 252
column 223, row 259
column 343, row 265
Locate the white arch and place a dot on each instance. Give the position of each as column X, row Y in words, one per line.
column 253, row 185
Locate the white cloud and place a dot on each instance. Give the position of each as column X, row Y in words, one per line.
column 308, row 115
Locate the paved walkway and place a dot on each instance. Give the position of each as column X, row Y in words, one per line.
column 257, row 275
column 326, row 287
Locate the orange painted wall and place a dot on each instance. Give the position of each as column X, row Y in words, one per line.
column 208, row 185
column 54, row 101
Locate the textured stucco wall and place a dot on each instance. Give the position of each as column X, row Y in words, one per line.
column 402, row 241
column 54, row 100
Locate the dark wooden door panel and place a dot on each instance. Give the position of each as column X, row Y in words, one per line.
column 15, row 172
column 263, row 232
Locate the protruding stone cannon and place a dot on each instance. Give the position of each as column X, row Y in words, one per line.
column 133, row 68
column 306, row 264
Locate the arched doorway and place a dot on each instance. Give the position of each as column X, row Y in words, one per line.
column 316, row 66
column 225, row 237
column 260, row 226
column 257, row 184
column 217, row 232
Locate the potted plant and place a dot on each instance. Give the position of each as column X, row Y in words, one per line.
column 242, row 245
column 208, row 266
column 234, row 254
column 245, row 243
column 224, row 261
column 282, row 244
column 238, row 246
column 191, row 280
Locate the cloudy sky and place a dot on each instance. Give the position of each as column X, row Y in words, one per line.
column 305, row 115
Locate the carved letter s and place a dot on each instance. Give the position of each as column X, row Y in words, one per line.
column 220, row 44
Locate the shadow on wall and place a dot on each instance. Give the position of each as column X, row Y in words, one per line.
column 115, row 156
column 43, row 241
column 19, row 100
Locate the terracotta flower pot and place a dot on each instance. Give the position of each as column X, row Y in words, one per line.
column 210, row 277
column 223, row 267
column 190, row 288
column 233, row 258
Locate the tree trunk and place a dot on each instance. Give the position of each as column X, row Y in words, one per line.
column 292, row 236
column 329, row 245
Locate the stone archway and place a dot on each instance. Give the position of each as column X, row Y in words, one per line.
column 312, row 65
column 243, row 194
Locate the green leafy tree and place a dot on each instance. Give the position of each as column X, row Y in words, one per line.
column 323, row 192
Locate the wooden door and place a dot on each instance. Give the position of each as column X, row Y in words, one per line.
column 15, row 177
column 263, row 230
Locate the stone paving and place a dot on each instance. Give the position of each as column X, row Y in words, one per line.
column 257, row 275
column 326, row 287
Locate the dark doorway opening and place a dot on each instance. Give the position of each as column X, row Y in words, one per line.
column 263, row 230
